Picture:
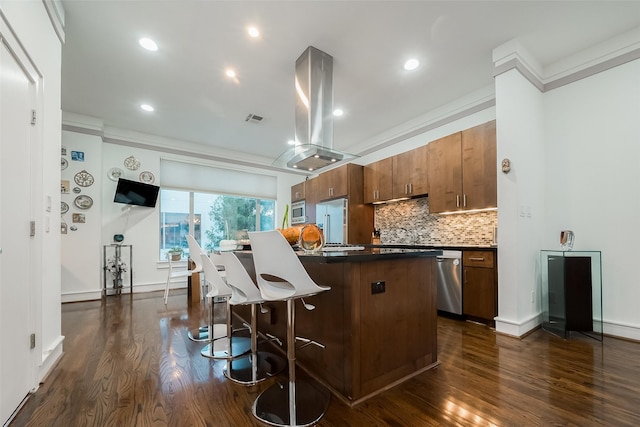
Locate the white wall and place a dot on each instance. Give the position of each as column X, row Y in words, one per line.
column 592, row 134
column 519, row 119
column 81, row 243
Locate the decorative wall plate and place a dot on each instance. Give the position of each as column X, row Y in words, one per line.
column 64, row 207
column 83, row 202
column 115, row 174
column 64, row 163
column 83, row 178
column 147, row 177
column 77, row 190
column 131, row 163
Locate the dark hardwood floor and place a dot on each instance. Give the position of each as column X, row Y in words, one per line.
column 128, row 362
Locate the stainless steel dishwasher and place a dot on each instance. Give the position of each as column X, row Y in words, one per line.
column 449, row 282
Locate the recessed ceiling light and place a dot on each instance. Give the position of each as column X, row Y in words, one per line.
column 146, row 107
column 411, row 64
column 148, row 44
column 253, row 32
column 230, row 73
column 338, row 112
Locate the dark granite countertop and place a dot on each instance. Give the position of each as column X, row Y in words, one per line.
column 439, row 247
column 368, row 254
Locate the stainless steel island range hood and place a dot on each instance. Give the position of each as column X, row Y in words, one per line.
column 313, row 114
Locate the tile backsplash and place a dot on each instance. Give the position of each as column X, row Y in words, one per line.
column 409, row 222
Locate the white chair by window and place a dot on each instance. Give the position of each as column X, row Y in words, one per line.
column 281, row 277
column 221, row 347
column 258, row 365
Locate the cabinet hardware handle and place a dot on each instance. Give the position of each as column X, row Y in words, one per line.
column 410, row 188
column 476, row 258
column 457, row 200
column 464, row 200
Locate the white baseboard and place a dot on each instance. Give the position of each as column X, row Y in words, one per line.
column 621, row 330
column 137, row 288
column 515, row 328
column 519, row 329
column 81, row 296
column 50, row 357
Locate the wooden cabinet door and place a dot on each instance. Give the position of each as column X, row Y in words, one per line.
column 333, row 184
column 479, row 286
column 445, row 173
column 378, row 181
column 298, row 192
column 410, row 173
column 310, row 200
column 479, row 167
column 478, row 298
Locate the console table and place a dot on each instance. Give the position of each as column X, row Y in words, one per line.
column 571, row 292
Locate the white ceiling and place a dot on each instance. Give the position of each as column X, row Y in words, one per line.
column 106, row 74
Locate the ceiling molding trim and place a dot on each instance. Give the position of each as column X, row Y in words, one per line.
column 516, row 63
column 170, row 150
column 608, row 55
column 81, row 129
column 433, row 125
column 55, row 11
column 592, row 70
column 178, row 152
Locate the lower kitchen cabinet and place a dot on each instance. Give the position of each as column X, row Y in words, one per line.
column 480, row 284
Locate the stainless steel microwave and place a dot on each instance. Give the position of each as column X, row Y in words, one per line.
column 298, row 215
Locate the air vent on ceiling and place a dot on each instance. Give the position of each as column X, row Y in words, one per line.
column 253, row 118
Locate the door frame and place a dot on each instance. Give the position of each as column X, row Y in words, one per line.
column 35, row 151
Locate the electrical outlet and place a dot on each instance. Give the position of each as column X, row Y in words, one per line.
column 377, row 287
column 533, row 297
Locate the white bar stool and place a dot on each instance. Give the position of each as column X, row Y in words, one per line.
column 281, row 277
column 222, row 347
column 258, row 365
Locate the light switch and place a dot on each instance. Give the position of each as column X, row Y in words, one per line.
column 48, row 207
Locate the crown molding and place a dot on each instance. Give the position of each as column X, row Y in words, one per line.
column 602, row 57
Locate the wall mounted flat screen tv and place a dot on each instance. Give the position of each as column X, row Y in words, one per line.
column 136, row 193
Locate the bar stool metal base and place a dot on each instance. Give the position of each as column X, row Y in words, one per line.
column 219, row 348
column 254, row 367
column 201, row 334
column 273, row 407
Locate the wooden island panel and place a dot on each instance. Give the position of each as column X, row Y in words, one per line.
column 372, row 341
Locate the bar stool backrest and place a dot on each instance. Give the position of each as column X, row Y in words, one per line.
column 217, row 286
column 194, row 253
column 243, row 288
column 279, row 272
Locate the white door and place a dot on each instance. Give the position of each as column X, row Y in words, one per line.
column 17, row 100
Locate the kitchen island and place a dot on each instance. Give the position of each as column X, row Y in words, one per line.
column 378, row 322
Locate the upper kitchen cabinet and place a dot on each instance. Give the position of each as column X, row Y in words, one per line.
column 445, row 173
column 378, row 181
column 346, row 181
column 298, row 192
column 479, row 170
column 462, row 170
column 410, row 177
column 401, row 176
column 334, row 183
